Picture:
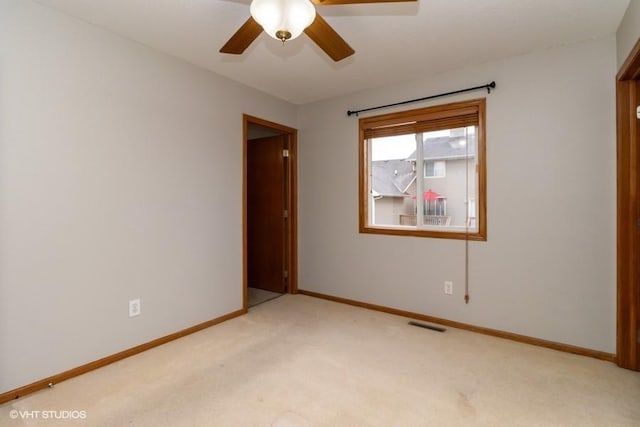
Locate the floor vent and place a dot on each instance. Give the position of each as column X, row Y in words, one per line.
column 425, row 326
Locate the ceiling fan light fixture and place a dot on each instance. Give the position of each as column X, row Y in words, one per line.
column 283, row 19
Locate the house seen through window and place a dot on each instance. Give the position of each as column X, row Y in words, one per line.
column 423, row 172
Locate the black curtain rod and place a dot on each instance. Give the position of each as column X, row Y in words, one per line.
column 488, row 87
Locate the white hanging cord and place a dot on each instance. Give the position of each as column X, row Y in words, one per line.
column 466, row 225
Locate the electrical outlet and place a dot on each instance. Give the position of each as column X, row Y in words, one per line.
column 134, row 307
column 448, row 287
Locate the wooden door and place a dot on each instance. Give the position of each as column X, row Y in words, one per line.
column 628, row 220
column 635, row 282
column 266, row 220
column 636, row 245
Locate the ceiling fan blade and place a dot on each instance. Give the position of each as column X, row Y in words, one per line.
column 330, row 2
column 241, row 40
column 328, row 40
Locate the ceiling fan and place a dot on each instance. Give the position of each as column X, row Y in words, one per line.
column 287, row 19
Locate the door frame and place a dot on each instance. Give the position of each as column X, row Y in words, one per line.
column 291, row 257
column 628, row 233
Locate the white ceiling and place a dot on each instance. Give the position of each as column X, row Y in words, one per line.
column 393, row 42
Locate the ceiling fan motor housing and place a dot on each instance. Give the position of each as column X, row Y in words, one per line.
column 283, row 35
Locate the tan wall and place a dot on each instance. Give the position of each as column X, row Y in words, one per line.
column 120, row 178
column 550, row 125
column 388, row 210
column 628, row 32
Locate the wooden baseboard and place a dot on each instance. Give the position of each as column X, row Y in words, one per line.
column 54, row 379
column 486, row 331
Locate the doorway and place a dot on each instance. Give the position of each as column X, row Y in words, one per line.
column 269, row 210
column 628, row 177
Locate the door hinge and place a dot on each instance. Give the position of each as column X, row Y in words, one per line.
column 285, row 214
column 285, row 153
column 286, row 274
column 638, row 223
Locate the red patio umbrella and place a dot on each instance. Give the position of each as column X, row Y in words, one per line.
column 429, row 195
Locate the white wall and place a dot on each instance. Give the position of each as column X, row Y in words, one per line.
column 120, row 177
column 548, row 267
column 628, row 32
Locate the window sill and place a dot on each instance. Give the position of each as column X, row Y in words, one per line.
column 413, row 232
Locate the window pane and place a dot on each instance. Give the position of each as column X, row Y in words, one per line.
column 453, row 151
column 393, row 172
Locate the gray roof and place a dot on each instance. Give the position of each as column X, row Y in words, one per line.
column 445, row 147
column 392, row 177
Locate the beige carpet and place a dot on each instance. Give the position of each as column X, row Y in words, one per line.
column 300, row 361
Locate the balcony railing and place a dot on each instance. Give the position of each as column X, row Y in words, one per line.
column 442, row 220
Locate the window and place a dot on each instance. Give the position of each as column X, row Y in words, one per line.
column 423, row 173
column 435, row 169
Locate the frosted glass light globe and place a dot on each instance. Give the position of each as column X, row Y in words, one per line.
column 283, row 19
